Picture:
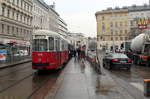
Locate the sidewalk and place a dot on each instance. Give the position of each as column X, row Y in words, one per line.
column 81, row 82
column 9, row 64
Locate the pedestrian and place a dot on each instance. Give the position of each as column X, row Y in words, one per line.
column 83, row 52
column 79, row 51
column 74, row 52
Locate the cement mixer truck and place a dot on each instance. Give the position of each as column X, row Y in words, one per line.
column 140, row 49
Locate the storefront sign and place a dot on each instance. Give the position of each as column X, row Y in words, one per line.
column 142, row 23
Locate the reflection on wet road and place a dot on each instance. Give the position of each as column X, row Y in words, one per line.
column 82, row 82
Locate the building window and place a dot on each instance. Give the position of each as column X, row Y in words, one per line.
column 111, row 38
column 120, row 24
column 125, row 31
column 121, row 38
column 116, row 24
column 3, row 11
column 126, row 23
column 24, row 19
column 13, row 14
column 103, row 27
column 17, row 31
column 111, row 31
column 21, row 32
column 12, row 30
column 103, row 39
column 8, row 29
column 21, row 17
column 17, row 2
column 17, row 16
column 120, row 31
column 116, row 32
column 8, row 13
column 21, row 3
column 2, row 28
column 116, row 38
column 111, row 24
column 103, row 18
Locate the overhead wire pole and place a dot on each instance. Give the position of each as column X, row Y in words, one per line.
column 113, row 36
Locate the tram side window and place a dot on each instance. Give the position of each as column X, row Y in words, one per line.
column 58, row 45
column 51, row 43
column 62, row 45
column 40, row 45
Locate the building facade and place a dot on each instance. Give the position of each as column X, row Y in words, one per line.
column 44, row 16
column 53, row 19
column 136, row 13
column 16, row 19
column 15, row 27
column 112, row 27
column 40, row 15
column 63, row 30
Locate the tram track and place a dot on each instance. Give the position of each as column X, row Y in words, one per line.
column 13, row 69
column 15, row 83
column 21, row 74
column 6, row 74
column 50, row 78
column 30, row 77
column 25, row 82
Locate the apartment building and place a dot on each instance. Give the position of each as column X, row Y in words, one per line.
column 112, row 27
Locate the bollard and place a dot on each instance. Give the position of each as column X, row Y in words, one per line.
column 147, row 87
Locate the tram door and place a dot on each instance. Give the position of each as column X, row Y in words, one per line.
column 58, row 52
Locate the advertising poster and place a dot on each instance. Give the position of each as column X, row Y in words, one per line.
column 2, row 54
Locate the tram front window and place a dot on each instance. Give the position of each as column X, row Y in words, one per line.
column 40, row 45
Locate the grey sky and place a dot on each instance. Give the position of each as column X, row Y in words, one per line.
column 80, row 14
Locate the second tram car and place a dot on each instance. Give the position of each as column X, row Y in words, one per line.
column 50, row 50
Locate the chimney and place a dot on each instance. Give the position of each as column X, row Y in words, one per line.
column 53, row 6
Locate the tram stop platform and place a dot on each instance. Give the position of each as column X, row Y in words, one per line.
column 80, row 81
column 10, row 64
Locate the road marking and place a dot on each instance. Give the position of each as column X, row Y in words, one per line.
column 138, row 86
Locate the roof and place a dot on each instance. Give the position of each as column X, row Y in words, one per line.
column 47, row 6
column 46, row 32
column 139, row 8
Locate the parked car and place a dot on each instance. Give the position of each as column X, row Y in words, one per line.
column 117, row 60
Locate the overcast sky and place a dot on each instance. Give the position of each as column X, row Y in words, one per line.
column 80, row 14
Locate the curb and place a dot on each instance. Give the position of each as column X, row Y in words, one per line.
column 13, row 64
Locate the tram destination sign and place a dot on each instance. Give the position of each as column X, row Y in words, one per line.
column 40, row 36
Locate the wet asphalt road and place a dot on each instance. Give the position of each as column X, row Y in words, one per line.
column 22, row 82
column 133, row 77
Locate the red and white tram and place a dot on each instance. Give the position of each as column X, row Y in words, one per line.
column 50, row 50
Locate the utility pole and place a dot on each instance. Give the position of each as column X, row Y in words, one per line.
column 113, row 36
